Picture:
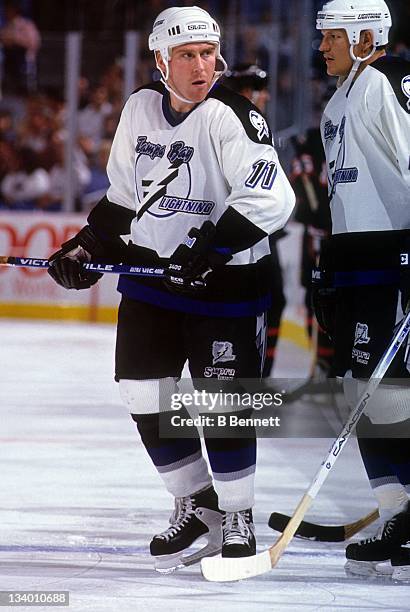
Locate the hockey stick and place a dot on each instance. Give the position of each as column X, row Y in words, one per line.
column 31, row 262
column 218, row 569
column 323, row 533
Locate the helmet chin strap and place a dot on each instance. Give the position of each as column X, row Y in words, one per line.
column 357, row 62
column 181, row 98
column 165, row 77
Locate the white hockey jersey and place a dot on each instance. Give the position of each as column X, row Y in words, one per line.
column 173, row 175
column 366, row 135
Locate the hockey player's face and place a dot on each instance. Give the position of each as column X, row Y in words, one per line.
column 191, row 70
column 335, row 47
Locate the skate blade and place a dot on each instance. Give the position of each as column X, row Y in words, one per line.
column 401, row 574
column 208, row 551
column 167, row 564
column 378, row 569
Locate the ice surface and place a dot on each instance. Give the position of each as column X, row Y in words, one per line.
column 80, row 499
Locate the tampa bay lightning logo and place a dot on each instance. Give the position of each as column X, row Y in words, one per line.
column 361, row 335
column 259, row 123
column 338, row 171
column 222, row 351
column 405, row 86
column 330, row 130
column 152, row 194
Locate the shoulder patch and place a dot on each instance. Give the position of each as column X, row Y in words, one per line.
column 252, row 119
column 405, row 85
column 397, row 71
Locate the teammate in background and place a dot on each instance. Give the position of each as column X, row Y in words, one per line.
column 192, row 158
column 252, row 82
column 309, row 181
column 366, row 134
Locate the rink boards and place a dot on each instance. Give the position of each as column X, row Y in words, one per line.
column 30, row 293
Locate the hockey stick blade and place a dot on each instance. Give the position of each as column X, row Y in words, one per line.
column 102, row 268
column 309, row 387
column 218, row 569
column 224, row 570
column 323, row 533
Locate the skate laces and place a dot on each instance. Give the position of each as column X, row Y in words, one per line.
column 383, row 533
column 389, row 527
column 184, row 509
column 235, row 526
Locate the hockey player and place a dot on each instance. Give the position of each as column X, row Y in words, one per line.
column 366, row 134
column 189, row 158
column 309, row 181
column 252, row 82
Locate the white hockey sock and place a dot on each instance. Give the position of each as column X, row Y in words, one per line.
column 392, row 499
column 186, row 476
column 235, row 494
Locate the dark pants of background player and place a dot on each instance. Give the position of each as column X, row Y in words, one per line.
column 275, row 311
column 385, row 449
column 322, row 344
column 154, row 343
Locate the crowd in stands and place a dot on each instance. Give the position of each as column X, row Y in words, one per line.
column 32, row 150
column 33, row 130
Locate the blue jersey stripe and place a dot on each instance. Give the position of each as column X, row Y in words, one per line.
column 162, row 299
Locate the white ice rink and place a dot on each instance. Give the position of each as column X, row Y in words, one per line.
column 80, row 500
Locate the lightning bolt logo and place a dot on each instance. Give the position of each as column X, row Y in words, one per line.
column 154, row 190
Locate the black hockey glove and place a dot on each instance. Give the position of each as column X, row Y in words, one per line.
column 194, row 259
column 324, row 301
column 66, row 264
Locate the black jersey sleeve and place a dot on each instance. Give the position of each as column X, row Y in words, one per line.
column 397, row 71
column 236, row 233
column 109, row 222
column 253, row 121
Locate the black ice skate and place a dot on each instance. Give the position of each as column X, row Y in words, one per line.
column 194, row 517
column 367, row 556
column 238, row 532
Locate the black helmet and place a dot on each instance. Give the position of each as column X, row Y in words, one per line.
column 246, row 76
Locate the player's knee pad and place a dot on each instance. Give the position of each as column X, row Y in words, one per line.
column 147, row 396
column 388, row 404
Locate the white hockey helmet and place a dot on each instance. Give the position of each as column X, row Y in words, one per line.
column 182, row 25
column 354, row 16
